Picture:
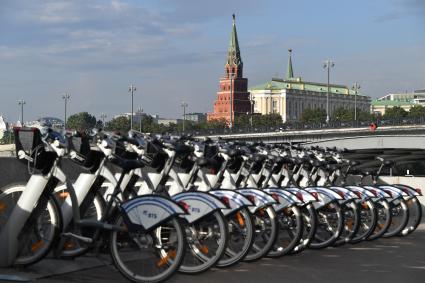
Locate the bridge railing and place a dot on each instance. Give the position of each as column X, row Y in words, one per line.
column 295, row 125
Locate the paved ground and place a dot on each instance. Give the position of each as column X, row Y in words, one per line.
column 384, row 260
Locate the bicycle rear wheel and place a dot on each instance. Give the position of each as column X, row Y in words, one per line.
column 148, row 256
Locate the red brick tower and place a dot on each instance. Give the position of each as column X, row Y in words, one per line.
column 233, row 87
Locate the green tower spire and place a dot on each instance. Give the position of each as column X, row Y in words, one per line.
column 289, row 70
column 233, row 52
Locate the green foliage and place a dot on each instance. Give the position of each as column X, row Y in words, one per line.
column 313, row 115
column 81, row 121
column 269, row 120
column 395, row 112
column 7, row 138
column 121, row 124
column 417, row 111
column 343, row 115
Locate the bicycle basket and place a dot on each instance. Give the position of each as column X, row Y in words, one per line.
column 27, row 139
column 90, row 159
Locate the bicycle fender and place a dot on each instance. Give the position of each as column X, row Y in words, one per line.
column 234, row 200
column 302, row 195
column 345, row 193
column 409, row 190
column 198, row 204
column 325, row 196
column 149, row 211
column 284, row 198
column 361, row 192
column 393, row 191
column 379, row 193
column 258, row 197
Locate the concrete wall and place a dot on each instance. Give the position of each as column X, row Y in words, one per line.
column 13, row 170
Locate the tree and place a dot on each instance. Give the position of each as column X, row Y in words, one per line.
column 417, row 111
column 121, row 124
column 81, row 121
column 313, row 115
column 395, row 113
column 343, row 114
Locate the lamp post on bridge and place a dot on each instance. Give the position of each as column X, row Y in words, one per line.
column 103, row 117
column 132, row 89
column 184, row 105
column 328, row 64
column 21, row 103
column 65, row 97
column 356, row 88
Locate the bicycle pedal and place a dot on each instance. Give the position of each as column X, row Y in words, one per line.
column 78, row 237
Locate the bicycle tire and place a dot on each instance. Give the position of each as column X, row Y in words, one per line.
column 262, row 245
column 333, row 228
column 170, row 259
column 240, row 225
column 289, row 219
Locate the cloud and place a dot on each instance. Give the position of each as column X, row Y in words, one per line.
column 402, row 9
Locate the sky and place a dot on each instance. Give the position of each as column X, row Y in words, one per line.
column 175, row 50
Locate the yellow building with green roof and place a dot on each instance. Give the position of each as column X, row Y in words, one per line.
column 290, row 96
column 404, row 100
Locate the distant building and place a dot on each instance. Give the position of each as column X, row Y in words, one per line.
column 290, row 96
column 167, row 122
column 196, row 117
column 233, row 87
column 404, row 100
column 137, row 116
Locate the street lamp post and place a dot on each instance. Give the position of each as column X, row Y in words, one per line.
column 328, row 65
column 140, row 111
column 21, row 103
column 132, row 89
column 66, row 97
column 103, row 117
column 184, row 105
column 356, row 88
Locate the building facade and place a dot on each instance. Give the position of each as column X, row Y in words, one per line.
column 404, row 100
column 290, row 96
column 233, row 96
column 195, row 117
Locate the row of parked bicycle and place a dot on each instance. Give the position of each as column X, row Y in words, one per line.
column 160, row 204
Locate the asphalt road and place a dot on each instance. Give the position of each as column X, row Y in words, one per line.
column 384, row 260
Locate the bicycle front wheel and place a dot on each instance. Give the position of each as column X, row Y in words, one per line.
column 290, row 231
column 266, row 228
column 148, row 256
column 415, row 215
column 384, row 219
column 400, row 217
column 241, row 236
column 207, row 242
column 330, row 225
column 40, row 232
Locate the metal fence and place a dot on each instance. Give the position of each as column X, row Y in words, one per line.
column 290, row 126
